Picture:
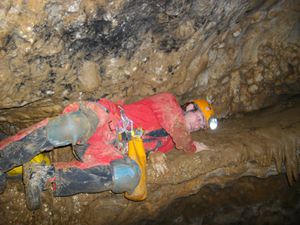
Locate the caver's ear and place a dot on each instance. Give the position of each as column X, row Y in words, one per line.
column 190, row 107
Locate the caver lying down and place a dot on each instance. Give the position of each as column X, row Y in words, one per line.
column 99, row 133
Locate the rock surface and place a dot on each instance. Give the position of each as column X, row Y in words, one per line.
column 247, row 201
column 240, row 55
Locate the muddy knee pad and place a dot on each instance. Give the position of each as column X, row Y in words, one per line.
column 126, row 175
column 72, row 127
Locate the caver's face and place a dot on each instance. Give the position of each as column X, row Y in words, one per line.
column 194, row 120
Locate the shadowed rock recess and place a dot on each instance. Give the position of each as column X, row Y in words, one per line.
column 241, row 55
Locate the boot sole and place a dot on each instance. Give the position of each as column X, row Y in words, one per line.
column 32, row 191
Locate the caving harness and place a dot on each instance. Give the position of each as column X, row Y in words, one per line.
column 130, row 142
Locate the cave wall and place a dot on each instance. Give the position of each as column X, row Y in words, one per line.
column 241, row 55
column 238, row 54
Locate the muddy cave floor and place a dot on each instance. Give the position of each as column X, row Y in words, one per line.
column 205, row 188
column 248, row 200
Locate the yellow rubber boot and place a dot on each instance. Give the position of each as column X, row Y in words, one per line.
column 137, row 153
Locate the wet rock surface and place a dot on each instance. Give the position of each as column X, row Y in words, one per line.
column 246, row 201
column 259, row 144
column 239, row 54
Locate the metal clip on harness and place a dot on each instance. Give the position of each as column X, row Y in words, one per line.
column 125, row 131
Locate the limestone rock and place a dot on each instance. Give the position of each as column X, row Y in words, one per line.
column 140, row 48
column 89, row 76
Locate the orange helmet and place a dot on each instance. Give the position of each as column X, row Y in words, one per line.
column 208, row 113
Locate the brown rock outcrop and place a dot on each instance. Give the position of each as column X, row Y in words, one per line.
column 239, row 54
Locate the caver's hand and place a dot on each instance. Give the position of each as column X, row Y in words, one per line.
column 200, row 146
column 159, row 162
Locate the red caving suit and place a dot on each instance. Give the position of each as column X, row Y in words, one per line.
column 150, row 114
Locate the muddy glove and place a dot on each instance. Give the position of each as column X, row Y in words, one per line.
column 159, row 163
column 200, row 146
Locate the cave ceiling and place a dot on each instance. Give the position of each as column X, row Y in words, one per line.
column 240, row 55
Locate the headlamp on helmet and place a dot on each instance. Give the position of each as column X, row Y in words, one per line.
column 207, row 112
column 213, row 123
